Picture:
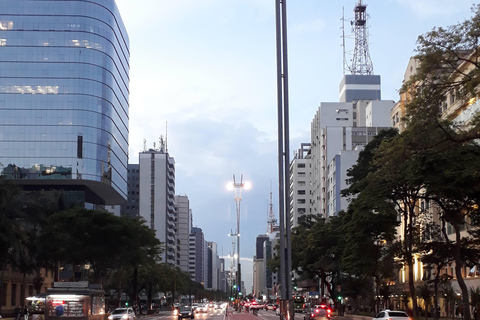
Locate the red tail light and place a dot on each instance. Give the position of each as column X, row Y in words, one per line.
column 317, row 310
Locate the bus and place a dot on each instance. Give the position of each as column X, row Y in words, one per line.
column 298, row 303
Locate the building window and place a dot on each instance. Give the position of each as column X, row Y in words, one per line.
column 300, row 192
column 4, row 295
column 300, row 165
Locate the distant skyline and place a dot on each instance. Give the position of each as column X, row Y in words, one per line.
column 207, row 68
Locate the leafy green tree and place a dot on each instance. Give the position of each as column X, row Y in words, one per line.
column 317, row 248
column 102, row 240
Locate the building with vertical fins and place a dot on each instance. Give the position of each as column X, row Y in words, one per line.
column 184, row 228
column 64, row 92
column 197, row 255
column 157, row 200
column 131, row 207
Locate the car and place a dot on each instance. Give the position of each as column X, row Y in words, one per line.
column 270, row 306
column 201, row 308
column 392, row 315
column 122, row 314
column 186, row 312
column 318, row 312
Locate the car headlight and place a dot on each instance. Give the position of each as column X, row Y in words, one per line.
column 175, row 312
column 110, row 317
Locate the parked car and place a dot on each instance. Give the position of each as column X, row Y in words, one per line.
column 392, row 315
column 318, row 312
column 122, row 314
column 186, row 312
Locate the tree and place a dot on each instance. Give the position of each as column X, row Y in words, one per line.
column 102, row 240
column 317, row 248
column 423, row 291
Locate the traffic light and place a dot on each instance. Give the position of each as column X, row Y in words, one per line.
column 234, row 286
column 126, row 304
column 339, row 298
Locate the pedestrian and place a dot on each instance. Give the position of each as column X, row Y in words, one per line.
column 25, row 313
column 17, row 313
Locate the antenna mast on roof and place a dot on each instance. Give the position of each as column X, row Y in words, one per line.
column 166, row 136
column 361, row 64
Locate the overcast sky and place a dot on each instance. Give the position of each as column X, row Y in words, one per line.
column 208, row 69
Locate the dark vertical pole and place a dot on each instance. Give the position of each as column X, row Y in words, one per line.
column 286, row 126
column 281, row 207
column 283, row 160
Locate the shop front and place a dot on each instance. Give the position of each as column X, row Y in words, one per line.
column 69, row 301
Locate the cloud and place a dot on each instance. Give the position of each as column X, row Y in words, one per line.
column 317, row 25
column 434, row 8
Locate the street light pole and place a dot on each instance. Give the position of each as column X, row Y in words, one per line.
column 238, row 198
column 283, row 160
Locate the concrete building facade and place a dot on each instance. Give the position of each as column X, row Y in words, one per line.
column 157, row 201
column 300, row 187
column 184, row 228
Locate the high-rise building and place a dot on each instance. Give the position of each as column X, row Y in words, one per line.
column 260, row 266
column 197, row 255
column 184, row 227
column 339, row 130
column 131, row 207
column 214, row 267
column 157, row 198
column 300, row 167
column 64, row 98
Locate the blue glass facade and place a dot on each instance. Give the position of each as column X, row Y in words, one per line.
column 64, row 77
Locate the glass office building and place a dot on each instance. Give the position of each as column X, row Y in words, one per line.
column 64, row 77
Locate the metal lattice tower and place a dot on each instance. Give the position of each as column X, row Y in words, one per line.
column 272, row 221
column 361, row 63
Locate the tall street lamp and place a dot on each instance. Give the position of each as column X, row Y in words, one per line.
column 286, row 306
column 238, row 186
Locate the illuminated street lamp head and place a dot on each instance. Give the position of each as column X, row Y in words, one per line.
column 238, row 186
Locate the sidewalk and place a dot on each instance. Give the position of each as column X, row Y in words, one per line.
column 233, row 315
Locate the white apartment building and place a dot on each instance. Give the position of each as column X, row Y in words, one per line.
column 343, row 126
column 300, row 184
column 184, row 229
column 157, row 200
column 337, row 180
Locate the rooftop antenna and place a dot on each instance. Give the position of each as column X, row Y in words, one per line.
column 166, row 136
column 343, row 41
column 144, row 145
column 361, row 64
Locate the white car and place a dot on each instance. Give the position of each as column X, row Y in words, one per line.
column 392, row 315
column 122, row 314
column 201, row 308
